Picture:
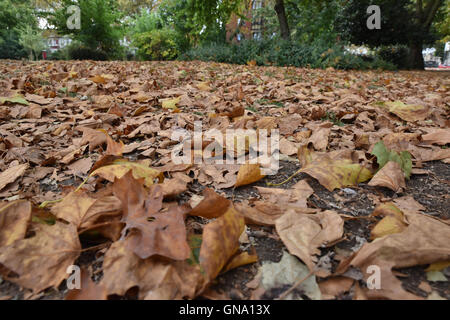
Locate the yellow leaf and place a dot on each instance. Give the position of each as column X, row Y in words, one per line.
column 220, row 242
column 388, row 225
column 248, row 173
column 438, row 266
column 241, row 259
column 98, row 79
column 171, row 103
column 334, row 174
column 120, row 168
column 16, row 99
column 408, row 112
column 203, row 86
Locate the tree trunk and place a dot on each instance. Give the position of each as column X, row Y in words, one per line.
column 416, row 61
column 282, row 19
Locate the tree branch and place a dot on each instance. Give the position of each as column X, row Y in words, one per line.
column 432, row 9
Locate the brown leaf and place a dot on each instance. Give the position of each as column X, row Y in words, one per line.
column 42, row 260
column 212, row 206
column 81, row 166
column 89, row 289
column 92, row 137
column 297, row 196
column 319, row 138
column 157, row 278
column 424, row 241
column 113, row 148
column 393, row 221
column 14, row 219
column 287, row 147
column 333, row 287
column 83, row 211
column 10, row 175
column 390, row 176
column 220, row 242
column 158, row 231
column 304, row 234
column 437, row 136
column 173, row 187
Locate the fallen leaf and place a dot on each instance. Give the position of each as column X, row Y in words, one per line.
column 81, row 210
column 248, row 173
column 156, row 231
column 10, row 175
column 385, row 156
column 41, row 261
column 390, row 176
column 332, row 173
column 220, row 242
column 89, row 289
column 113, row 148
column 408, row 112
column 121, row 167
column 388, row 225
column 13, row 100
column 424, row 241
column 438, row 136
column 212, row 206
column 156, row 278
column 241, row 259
column 304, row 234
column 280, row 276
column 92, row 137
column 333, row 287
column 171, row 103
column 14, row 219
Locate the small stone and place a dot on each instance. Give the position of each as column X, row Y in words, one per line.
column 350, row 191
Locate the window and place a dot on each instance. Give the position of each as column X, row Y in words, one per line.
column 257, row 4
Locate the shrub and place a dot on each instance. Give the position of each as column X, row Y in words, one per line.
column 157, row 44
column 59, row 55
column 10, row 48
column 398, row 55
column 76, row 52
column 284, row 53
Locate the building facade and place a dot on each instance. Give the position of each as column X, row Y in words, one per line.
column 250, row 27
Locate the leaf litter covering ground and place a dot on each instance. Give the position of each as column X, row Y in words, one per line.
column 87, row 179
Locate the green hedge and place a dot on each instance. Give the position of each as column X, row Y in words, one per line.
column 158, row 44
column 283, row 53
column 397, row 55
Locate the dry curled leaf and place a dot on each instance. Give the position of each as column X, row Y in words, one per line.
column 14, row 219
column 423, row 241
column 220, row 242
column 83, row 211
column 121, row 167
column 156, row 231
column 333, row 172
column 408, row 112
column 303, row 234
column 10, row 175
column 41, row 261
column 390, row 176
column 248, row 173
column 89, row 289
column 212, row 206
